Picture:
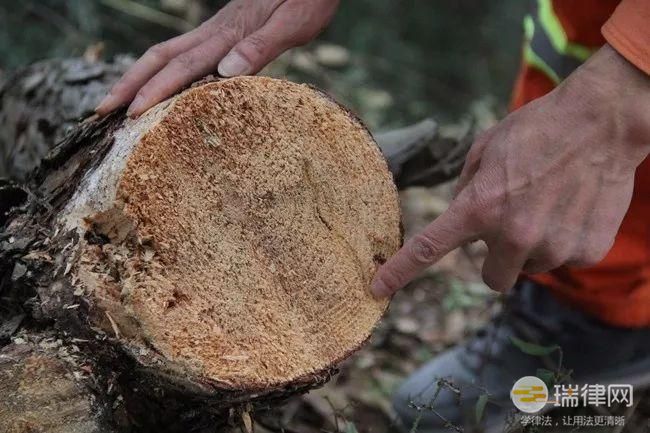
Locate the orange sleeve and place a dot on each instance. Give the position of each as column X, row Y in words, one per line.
column 628, row 31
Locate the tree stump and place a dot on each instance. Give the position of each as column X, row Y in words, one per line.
column 213, row 255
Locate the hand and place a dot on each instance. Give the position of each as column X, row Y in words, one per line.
column 240, row 39
column 547, row 186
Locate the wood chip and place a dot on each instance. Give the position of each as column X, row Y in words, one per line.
column 38, row 256
column 247, row 422
column 116, row 330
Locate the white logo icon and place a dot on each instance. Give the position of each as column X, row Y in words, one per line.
column 529, row 394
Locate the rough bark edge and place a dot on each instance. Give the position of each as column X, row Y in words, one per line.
column 42, row 102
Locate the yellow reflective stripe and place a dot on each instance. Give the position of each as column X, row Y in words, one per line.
column 533, row 59
column 529, row 27
column 556, row 34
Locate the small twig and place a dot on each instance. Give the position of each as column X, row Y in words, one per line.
column 429, row 407
column 116, row 330
column 416, row 423
column 273, row 428
column 334, row 412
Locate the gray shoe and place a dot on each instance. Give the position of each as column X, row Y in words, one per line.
column 445, row 392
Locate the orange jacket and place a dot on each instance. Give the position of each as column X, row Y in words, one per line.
column 628, row 30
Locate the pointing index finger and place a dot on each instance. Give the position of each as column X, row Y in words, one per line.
column 447, row 232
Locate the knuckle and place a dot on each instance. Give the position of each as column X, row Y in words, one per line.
column 486, row 205
column 392, row 278
column 256, row 44
column 470, row 200
column 158, row 51
column 183, row 61
column 481, row 218
column 228, row 34
column 591, row 257
column 424, row 249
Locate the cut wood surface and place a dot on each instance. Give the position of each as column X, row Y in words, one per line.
column 235, row 230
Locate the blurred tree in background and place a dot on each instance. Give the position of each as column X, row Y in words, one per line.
column 403, row 60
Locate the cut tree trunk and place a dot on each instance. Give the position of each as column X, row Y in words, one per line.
column 170, row 273
column 210, row 257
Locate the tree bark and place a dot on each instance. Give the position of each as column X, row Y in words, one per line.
column 41, row 103
column 418, row 155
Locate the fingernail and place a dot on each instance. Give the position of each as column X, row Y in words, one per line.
column 234, row 64
column 107, row 104
column 379, row 289
column 135, row 107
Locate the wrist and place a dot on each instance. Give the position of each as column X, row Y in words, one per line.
column 613, row 94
